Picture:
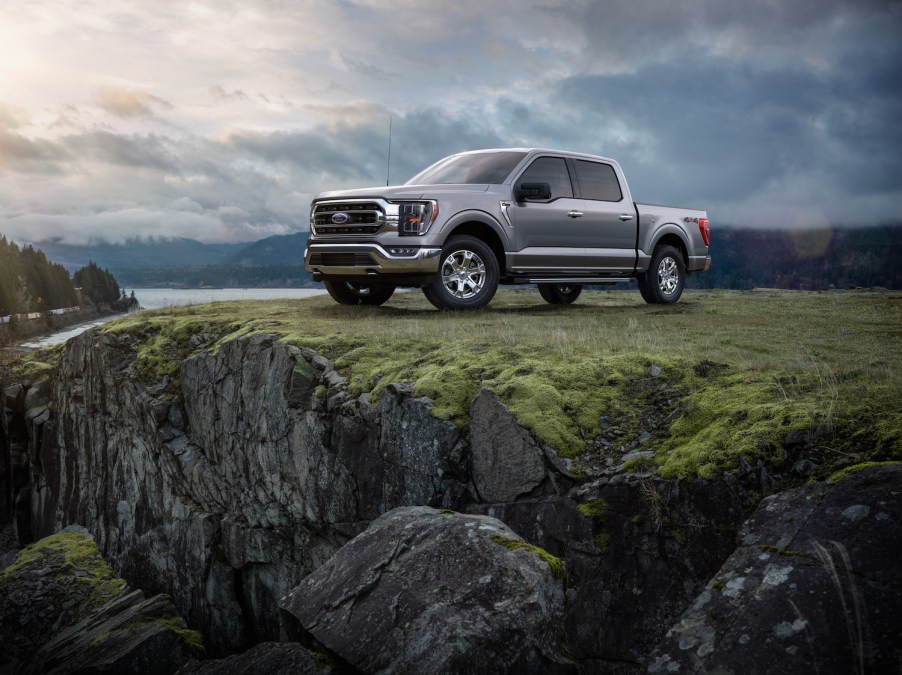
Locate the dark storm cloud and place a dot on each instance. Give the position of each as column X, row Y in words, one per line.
column 726, row 131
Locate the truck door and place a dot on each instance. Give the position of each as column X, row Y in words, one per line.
column 547, row 232
column 609, row 220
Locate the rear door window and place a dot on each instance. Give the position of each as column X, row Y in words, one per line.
column 598, row 181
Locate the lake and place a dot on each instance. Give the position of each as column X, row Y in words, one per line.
column 156, row 298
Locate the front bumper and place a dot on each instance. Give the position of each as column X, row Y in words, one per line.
column 368, row 259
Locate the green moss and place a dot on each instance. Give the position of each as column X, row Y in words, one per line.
column 322, row 660
column 640, row 464
column 596, row 509
column 555, row 564
column 717, row 586
column 842, row 474
column 679, row 536
column 602, row 542
column 638, row 520
column 781, row 551
column 320, row 392
column 73, row 551
column 191, row 639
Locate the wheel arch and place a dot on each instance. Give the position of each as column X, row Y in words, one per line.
column 482, row 227
column 671, row 235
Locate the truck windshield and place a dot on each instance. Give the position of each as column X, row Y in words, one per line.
column 480, row 167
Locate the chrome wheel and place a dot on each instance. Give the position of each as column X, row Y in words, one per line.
column 668, row 275
column 463, row 274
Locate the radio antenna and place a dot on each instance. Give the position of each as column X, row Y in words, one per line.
column 388, row 163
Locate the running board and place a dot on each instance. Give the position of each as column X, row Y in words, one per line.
column 577, row 280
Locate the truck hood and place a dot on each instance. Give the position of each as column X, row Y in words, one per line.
column 401, row 191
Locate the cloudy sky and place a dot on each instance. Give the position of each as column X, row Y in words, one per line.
column 220, row 121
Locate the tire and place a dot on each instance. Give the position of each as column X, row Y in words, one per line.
column 467, row 277
column 560, row 294
column 663, row 283
column 349, row 293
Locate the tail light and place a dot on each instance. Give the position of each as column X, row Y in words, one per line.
column 704, row 229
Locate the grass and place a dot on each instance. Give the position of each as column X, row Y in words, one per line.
column 744, row 367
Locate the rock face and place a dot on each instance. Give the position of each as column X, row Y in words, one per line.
column 229, row 484
column 62, row 610
column 812, row 587
column 232, row 491
column 430, row 592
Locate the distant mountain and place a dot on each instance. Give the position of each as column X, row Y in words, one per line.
column 139, row 254
column 280, row 249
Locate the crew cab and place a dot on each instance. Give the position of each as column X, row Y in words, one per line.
column 475, row 220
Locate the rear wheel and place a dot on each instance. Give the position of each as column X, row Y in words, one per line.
column 350, row 293
column 663, row 283
column 560, row 294
column 467, row 277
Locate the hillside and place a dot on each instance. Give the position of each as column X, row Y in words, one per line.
column 287, row 249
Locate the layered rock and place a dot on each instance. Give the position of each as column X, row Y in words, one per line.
column 434, row 592
column 63, row 610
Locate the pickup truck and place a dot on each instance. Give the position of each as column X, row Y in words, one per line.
column 475, row 220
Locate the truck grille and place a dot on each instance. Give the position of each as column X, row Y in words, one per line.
column 341, row 260
column 359, row 218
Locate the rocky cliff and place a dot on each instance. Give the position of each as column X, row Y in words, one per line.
column 237, row 485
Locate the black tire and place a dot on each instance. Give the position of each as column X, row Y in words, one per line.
column 560, row 294
column 349, row 293
column 663, row 283
column 467, row 277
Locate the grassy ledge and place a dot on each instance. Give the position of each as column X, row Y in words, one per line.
column 738, row 370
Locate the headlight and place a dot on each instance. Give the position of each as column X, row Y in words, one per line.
column 414, row 218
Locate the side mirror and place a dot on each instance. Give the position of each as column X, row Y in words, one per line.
column 533, row 191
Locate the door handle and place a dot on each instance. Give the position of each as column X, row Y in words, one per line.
column 575, row 214
column 626, row 216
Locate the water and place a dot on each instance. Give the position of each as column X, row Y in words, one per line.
column 156, row 298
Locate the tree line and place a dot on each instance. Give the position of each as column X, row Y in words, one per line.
column 31, row 283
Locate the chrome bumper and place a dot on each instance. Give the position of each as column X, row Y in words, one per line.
column 381, row 261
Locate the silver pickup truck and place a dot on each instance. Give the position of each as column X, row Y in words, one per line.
column 475, row 220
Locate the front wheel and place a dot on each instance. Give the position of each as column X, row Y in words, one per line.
column 663, row 283
column 349, row 293
column 560, row 294
column 467, row 277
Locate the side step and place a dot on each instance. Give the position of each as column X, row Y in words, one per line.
column 577, row 280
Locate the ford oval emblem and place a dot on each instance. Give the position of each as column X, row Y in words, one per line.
column 340, row 218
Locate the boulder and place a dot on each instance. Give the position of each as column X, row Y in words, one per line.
column 430, row 591
column 814, row 586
